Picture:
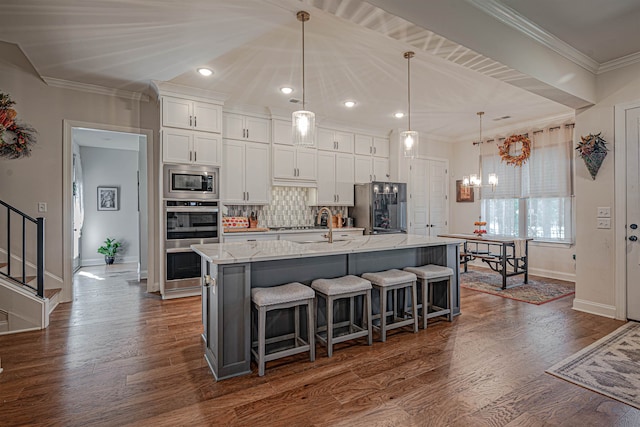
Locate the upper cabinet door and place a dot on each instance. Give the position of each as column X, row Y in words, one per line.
column 284, row 162
column 344, row 142
column 380, row 169
column 257, row 129
column 206, row 148
column 177, row 113
column 363, row 144
column 256, row 169
column 281, row 132
column 233, row 126
column 362, row 171
column 207, row 117
column 344, row 179
column 327, row 180
column 381, row 147
column 306, row 164
column 176, row 146
column 325, row 139
column 233, row 184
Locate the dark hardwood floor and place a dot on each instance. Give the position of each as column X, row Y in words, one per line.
column 118, row 356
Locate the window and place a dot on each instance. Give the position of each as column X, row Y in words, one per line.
column 534, row 200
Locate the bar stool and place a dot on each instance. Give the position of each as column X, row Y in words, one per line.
column 394, row 280
column 276, row 298
column 428, row 275
column 333, row 290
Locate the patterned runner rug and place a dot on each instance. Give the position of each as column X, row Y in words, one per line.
column 536, row 292
column 610, row 366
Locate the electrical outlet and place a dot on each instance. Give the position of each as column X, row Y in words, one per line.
column 42, row 207
column 604, row 223
column 604, row 212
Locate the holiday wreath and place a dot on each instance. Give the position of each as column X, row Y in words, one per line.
column 15, row 139
column 505, row 148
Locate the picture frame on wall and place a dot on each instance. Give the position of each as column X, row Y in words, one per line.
column 108, row 198
column 463, row 193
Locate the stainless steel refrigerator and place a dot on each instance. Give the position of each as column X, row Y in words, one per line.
column 380, row 207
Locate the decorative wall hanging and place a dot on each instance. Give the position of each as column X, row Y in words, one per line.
column 593, row 150
column 16, row 139
column 505, row 149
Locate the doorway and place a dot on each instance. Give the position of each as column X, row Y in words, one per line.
column 117, row 160
column 428, row 197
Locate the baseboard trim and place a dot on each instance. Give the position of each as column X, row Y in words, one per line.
column 92, row 262
column 603, row 310
column 549, row 274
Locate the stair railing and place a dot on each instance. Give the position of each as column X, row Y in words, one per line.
column 39, row 223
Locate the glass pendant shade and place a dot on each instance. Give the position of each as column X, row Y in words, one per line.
column 475, row 180
column 466, row 181
column 409, row 140
column 493, row 179
column 303, row 126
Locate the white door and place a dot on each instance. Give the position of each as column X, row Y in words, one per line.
column 438, row 203
column 419, row 201
column 633, row 213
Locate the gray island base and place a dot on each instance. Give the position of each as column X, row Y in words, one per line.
column 230, row 270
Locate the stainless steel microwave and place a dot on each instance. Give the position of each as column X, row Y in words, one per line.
column 191, row 182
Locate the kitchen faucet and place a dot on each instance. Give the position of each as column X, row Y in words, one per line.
column 329, row 222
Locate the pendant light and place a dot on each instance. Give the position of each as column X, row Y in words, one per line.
column 409, row 138
column 475, row 180
column 303, row 122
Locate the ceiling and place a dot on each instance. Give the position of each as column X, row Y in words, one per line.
column 254, row 48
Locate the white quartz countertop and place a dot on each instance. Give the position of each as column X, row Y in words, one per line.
column 239, row 252
column 278, row 231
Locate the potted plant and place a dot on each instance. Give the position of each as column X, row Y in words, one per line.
column 109, row 250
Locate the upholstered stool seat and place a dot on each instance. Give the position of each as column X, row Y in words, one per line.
column 428, row 275
column 394, row 280
column 336, row 289
column 276, row 298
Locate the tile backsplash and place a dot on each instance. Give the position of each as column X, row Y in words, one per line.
column 289, row 207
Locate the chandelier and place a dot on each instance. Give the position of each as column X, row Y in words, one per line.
column 475, row 180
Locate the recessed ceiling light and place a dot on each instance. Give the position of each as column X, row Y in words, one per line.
column 398, row 115
column 349, row 104
column 286, row 90
column 205, row 71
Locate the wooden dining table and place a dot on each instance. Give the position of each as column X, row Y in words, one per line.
column 506, row 255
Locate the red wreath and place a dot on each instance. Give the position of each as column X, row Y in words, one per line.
column 15, row 139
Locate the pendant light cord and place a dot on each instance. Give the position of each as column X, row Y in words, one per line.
column 303, row 100
column 409, row 88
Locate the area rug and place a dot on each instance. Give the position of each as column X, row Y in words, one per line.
column 535, row 292
column 610, row 366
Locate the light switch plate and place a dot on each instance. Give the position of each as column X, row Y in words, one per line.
column 604, row 222
column 604, row 212
column 42, row 207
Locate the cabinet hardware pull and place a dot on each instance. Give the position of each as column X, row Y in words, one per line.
column 190, row 154
column 248, row 195
column 190, row 121
column 195, row 156
column 195, row 121
column 375, row 150
column 370, row 150
column 247, row 133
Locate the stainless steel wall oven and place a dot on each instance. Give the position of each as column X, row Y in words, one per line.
column 187, row 222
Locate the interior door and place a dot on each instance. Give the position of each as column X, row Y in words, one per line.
column 438, row 203
column 633, row 213
column 419, row 217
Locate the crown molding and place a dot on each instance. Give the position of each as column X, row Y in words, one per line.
column 510, row 17
column 100, row 90
column 622, row 62
column 172, row 89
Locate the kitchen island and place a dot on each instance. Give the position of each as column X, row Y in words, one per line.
column 230, row 270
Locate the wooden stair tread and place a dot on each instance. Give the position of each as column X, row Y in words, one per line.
column 3, row 264
column 50, row 293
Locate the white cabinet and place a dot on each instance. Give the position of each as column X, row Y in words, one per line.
column 333, row 140
column 371, row 145
column 335, row 182
column 281, row 132
column 245, row 172
column 188, row 114
column 368, row 169
column 294, row 164
column 183, row 146
column 245, row 128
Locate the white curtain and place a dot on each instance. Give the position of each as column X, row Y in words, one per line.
column 547, row 172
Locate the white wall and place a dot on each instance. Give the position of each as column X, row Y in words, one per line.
column 25, row 182
column 595, row 290
column 110, row 167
